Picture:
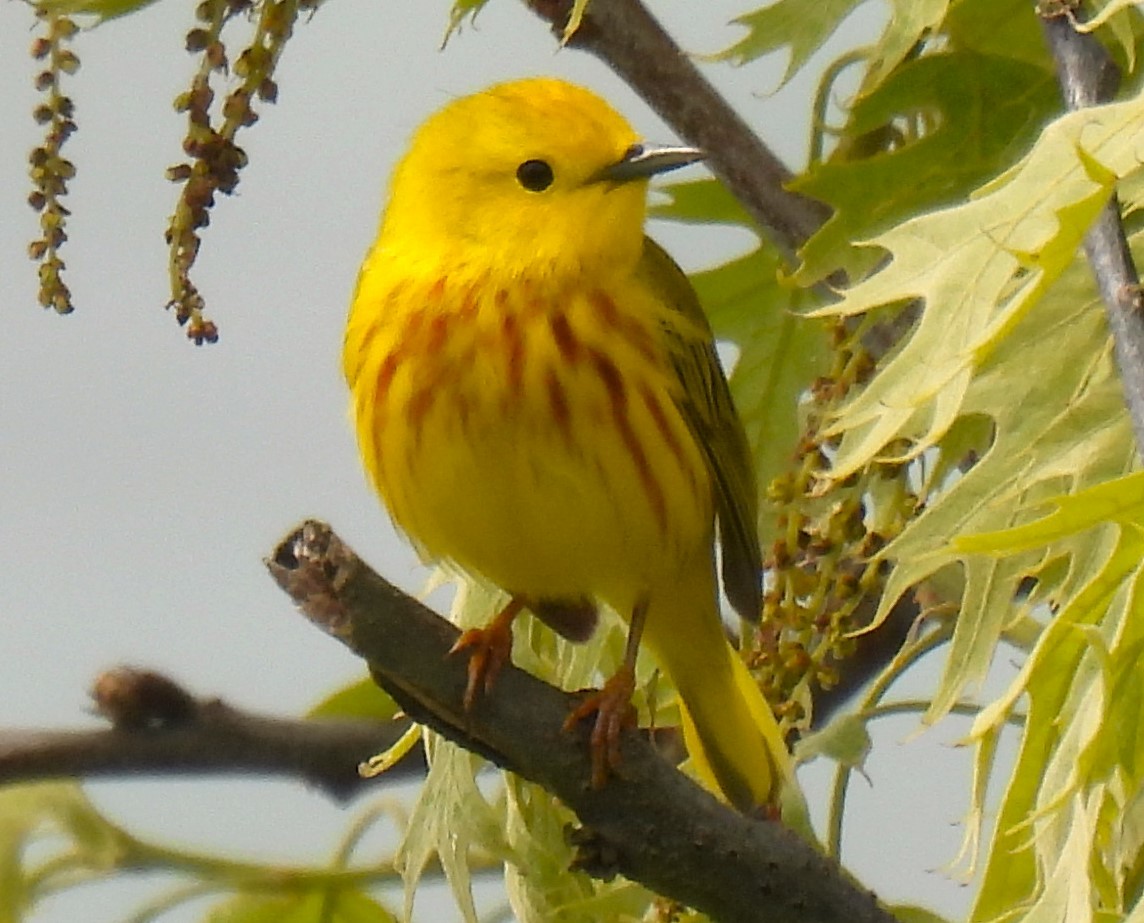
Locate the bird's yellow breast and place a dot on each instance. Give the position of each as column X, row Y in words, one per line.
column 529, row 431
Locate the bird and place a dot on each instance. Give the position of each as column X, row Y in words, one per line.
column 539, row 403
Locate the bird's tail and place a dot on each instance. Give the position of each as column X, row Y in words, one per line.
column 733, row 739
column 731, row 733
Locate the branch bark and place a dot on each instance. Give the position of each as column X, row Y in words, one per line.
column 1088, row 77
column 650, row 822
column 159, row 728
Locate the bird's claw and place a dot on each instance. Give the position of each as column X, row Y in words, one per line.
column 491, row 649
column 614, row 712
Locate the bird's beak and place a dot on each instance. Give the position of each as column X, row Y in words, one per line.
column 643, row 160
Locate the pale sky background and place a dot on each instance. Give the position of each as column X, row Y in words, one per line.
column 142, row 480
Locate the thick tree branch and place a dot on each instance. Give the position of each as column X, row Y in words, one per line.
column 630, row 41
column 160, row 728
column 1088, row 77
column 649, row 822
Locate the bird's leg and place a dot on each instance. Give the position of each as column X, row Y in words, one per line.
column 491, row 648
column 612, row 705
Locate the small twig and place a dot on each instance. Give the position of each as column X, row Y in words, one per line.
column 1088, row 77
column 161, row 728
column 630, row 41
column 897, row 665
column 649, row 822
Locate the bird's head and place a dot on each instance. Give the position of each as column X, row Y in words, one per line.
column 535, row 176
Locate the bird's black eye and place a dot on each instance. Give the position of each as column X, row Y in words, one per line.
column 535, row 175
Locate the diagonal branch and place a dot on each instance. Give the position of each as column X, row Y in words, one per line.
column 650, row 822
column 159, row 728
column 1088, row 77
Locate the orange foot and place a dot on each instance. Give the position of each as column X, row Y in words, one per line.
column 491, row 648
column 614, row 712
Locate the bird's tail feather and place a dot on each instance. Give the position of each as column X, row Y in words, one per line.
column 734, row 742
column 730, row 731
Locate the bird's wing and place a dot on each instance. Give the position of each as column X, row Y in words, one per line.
column 710, row 413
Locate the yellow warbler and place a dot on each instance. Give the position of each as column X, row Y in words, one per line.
column 538, row 401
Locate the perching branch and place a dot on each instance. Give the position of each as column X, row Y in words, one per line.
column 1088, row 77
column 649, row 822
column 630, row 41
column 158, row 727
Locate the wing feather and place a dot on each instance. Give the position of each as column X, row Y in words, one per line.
column 710, row 413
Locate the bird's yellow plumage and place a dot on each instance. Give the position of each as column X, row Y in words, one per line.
column 538, row 401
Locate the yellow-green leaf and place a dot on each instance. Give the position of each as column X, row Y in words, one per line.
column 103, row 10
column 362, row 698
column 704, row 201
column 984, row 112
column 1119, row 500
column 979, row 267
column 845, row 740
column 796, row 24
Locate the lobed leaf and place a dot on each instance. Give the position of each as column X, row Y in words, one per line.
column 982, row 111
column 1011, row 357
column 801, row 26
column 911, row 22
column 460, row 11
column 804, row 27
column 985, row 264
column 1054, row 805
column 704, row 201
